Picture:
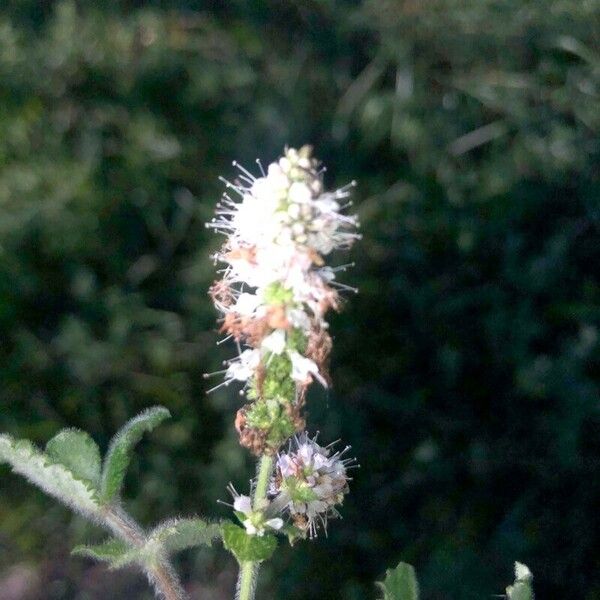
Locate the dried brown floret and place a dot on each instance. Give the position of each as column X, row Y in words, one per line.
column 250, row 437
column 318, row 350
column 277, row 317
column 221, row 293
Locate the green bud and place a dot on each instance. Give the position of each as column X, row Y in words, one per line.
column 275, row 293
column 298, row 491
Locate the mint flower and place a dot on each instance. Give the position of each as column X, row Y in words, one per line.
column 310, row 482
column 276, row 289
column 255, row 521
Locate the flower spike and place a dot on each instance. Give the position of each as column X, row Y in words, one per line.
column 276, row 289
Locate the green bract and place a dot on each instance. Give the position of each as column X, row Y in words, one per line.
column 247, row 548
column 275, row 293
column 272, row 417
column 298, row 491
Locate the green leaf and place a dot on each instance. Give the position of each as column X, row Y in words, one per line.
column 247, row 547
column 121, row 446
column 400, row 583
column 522, row 588
column 54, row 478
column 77, row 451
column 179, row 534
column 111, row 551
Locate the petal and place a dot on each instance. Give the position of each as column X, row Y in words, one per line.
column 275, row 342
column 275, row 523
column 246, row 304
column 243, row 504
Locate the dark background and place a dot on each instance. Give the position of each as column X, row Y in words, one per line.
column 466, row 370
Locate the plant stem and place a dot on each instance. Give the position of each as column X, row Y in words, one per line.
column 265, row 467
column 247, row 580
column 246, row 585
column 161, row 575
column 165, row 581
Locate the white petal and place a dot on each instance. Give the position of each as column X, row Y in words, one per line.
column 246, row 304
column 276, row 523
column 303, row 367
column 320, row 461
column 250, row 529
column 243, row 504
column 298, row 318
column 275, row 342
column 243, row 368
column 286, row 465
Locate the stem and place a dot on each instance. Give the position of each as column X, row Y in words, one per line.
column 161, row 575
column 247, row 580
column 248, row 575
column 265, row 468
column 166, row 583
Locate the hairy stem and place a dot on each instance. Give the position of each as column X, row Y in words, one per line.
column 161, row 575
column 247, row 580
column 246, row 585
column 265, row 467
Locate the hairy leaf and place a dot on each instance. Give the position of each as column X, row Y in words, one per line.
column 247, row 547
column 522, row 588
column 110, row 551
column 78, row 452
column 400, row 583
column 55, row 479
column 121, row 446
column 179, row 534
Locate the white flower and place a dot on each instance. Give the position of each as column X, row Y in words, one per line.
column 244, row 366
column 303, row 368
column 243, row 504
column 275, row 342
column 278, row 232
column 298, row 319
column 255, row 521
column 246, row 304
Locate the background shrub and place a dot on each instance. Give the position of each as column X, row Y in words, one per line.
column 466, row 370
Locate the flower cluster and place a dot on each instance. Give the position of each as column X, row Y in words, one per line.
column 309, row 482
column 275, row 289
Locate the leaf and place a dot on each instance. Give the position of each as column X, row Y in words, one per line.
column 247, row 547
column 522, row 588
column 400, row 583
column 179, row 534
column 55, row 479
column 111, row 551
column 77, row 451
column 119, row 452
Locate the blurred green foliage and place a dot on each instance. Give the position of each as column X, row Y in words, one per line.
column 466, row 370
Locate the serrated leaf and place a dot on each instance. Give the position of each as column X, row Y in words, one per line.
column 400, row 583
column 78, row 452
column 111, row 551
column 179, row 534
column 53, row 478
column 121, row 446
column 247, row 547
column 522, row 588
